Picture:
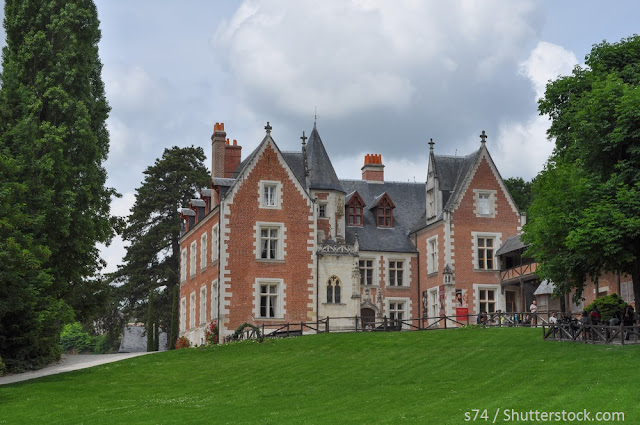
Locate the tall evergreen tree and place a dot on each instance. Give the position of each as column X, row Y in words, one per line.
column 151, row 334
column 53, row 133
column 153, row 230
column 53, row 122
column 175, row 313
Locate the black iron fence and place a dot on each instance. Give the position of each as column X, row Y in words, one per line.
column 592, row 334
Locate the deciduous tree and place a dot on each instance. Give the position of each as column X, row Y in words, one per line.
column 586, row 211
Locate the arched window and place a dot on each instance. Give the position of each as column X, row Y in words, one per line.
column 333, row 290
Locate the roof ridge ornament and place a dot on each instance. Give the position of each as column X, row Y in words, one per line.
column 315, row 117
column 431, row 143
column 268, row 128
column 483, row 137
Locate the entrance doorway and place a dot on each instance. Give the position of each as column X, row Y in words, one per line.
column 368, row 318
column 510, row 298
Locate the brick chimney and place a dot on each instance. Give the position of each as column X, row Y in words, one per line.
column 373, row 169
column 232, row 156
column 218, row 143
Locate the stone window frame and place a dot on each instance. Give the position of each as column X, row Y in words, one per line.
column 215, row 247
column 192, row 309
column 214, row 300
column 193, row 249
column 280, row 307
column 334, row 290
column 203, row 305
column 280, row 250
column 203, row 251
column 183, row 314
column 374, row 275
column 432, row 255
column 276, row 188
column 490, row 195
column 496, row 237
column 393, row 271
column 183, row 265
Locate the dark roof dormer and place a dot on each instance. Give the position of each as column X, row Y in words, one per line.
column 189, row 217
column 383, row 209
column 355, row 209
column 198, row 206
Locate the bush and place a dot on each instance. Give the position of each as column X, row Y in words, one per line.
column 101, row 344
column 182, row 342
column 212, row 333
column 74, row 338
column 3, row 368
column 607, row 306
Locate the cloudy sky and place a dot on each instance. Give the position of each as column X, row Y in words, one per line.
column 383, row 76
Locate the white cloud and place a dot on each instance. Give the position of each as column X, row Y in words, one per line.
column 350, row 168
column 114, row 253
column 353, row 56
column 523, row 147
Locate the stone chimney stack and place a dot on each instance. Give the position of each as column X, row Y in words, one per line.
column 218, row 144
column 373, row 169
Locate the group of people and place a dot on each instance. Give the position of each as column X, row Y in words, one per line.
column 627, row 317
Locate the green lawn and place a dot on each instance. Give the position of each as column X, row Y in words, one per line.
column 430, row 377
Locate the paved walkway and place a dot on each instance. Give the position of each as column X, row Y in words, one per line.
column 67, row 363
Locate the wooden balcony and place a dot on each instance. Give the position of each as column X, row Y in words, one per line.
column 517, row 273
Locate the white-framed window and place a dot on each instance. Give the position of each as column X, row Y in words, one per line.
column 486, row 248
column 397, row 309
column 214, row 300
column 270, row 241
column 270, row 194
column 366, row 272
column 396, row 272
column 183, row 314
column 269, row 301
column 203, row 251
column 192, row 258
column 214, row 244
column 322, row 210
column 183, row 265
column 432, row 255
column 485, row 202
column 333, row 290
column 203, row 305
column 192, row 310
column 434, row 302
column 487, row 300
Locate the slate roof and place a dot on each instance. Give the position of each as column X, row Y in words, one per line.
column 452, row 172
column 511, row 244
column 546, row 287
column 410, row 202
column 322, row 176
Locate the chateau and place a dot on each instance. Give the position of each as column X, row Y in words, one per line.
column 280, row 238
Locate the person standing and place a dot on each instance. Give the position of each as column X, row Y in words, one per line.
column 533, row 308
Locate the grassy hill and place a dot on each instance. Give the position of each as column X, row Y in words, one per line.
column 430, row 377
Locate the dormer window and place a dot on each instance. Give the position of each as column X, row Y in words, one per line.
column 384, row 211
column 355, row 210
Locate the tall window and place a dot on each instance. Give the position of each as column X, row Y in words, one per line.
column 396, row 273
column 487, row 300
column 214, row 244
column 355, row 214
column 483, row 204
column 432, row 255
column 269, row 195
column 183, row 314
column 214, row 300
column 203, row 305
column 203, row 251
column 183, row 265
column 192, row 258
column 333, row 290
column 192, row 311
column 269, row 243
column 385, row 214
column 396, row 311
column 485, row 253
column 434, row 303
column 268, row 299
column 322, row 210
column 366, row 272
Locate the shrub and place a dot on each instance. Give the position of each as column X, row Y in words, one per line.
column 212, row 333
column 182, row 342
column 101, row 344
column 3, row 368
column 607, row 306
column 74, row 338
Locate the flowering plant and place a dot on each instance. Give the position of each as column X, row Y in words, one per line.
column 211, row 333
column 182, row 342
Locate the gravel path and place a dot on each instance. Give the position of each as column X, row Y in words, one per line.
column 67, row 363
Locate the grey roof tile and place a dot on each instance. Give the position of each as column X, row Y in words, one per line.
column 322, row 176
column 409, row 199
column 511, row 244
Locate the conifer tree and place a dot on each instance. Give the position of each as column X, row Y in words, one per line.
column 173, row 334
column 150, row 324
column 153, row 230
column 53, row 135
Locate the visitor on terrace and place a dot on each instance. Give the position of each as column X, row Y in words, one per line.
column 595, row 316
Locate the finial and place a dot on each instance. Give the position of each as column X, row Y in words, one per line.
column 315, row 117
column 268, row 128
column 431, row 143
column 483, row 137
column 304, row 139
